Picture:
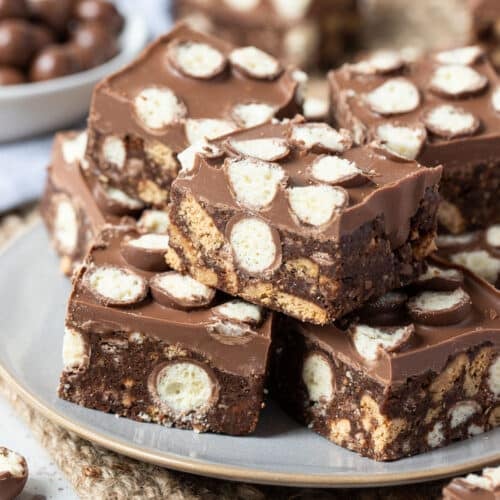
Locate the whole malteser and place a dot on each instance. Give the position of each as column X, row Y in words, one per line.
column 53, row 62
column 97, row 44
column 55, row 13
column 16, row 42
column 99, row 11
column 11, row 76
column 13, row 8
column 42, row 37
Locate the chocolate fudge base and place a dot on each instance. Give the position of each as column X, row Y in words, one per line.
column 363, row 266
column 117, row 376
column 384, row 422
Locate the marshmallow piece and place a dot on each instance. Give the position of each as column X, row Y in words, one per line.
column 401, row 141
column 187, row 158
column 462, row 411
column 494, row 377
column 438, row 279
column 241, row 311
column 252, row 114
column 115, row 286
column 268, row 149
column 320, row 137
column 370, row 341
column 11, row 465
column 450, row 121
column 173, row 289
column 480, row 262
column 154, row 221
column 316, row 205
column 76, row 352
column 463, row 56
column 73, row 150
column 453, row 240
column 440, row 308
column 397, row 95
column 380, row 62
column 455, row 80
column 185, row 387
column 203, row 129
column 255, row 245
column 114, row 151
column 197, row 60
column 336, row 170
column 242, row 5
column 291, row 10
column 66, row 225
column 158, row 107
column 492, row 236
column 495, row 99
column 254, row 183
column 317, row 375
column 255, row 63
column 122, row 198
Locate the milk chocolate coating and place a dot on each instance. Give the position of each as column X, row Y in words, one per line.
column 96, row 43
column 10, row 486
column 189, row 329
column 430, row 346
column 13, row 8
column 99, row 11
column 16, row 42
column 54, row 13
column 11, row 76
column 53, row 62
column 43, row 36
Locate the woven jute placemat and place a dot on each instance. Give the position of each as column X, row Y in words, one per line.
column 96, row 473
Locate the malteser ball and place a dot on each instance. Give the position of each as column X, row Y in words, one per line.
column 16, row 42
column 13, row 8
column 96, row 43
column 42, row 37
column 99, row 11
column 54, row 62
column 11, row 76
column 54, row 13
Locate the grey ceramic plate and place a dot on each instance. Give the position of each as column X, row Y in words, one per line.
column 32, row 302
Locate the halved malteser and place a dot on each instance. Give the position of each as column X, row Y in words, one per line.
column 158, row 107
column 480, row 262
column 13, row 473
column 371, row 341
column 254, row 183
column 318, row 377
column 199, row 130
column 439, row 279
column 401, row 141
column 76, row 351
column 153, row 221
column 463, row 56
column 450, row 121
column 384, row 310
column 239, row 311
column 397, row 95
column 187, row 158
column 115, row 201
column 252, row 114
column 255, row 63
column 266, row 149
column 492, row 237
column 455, row 80
column 146, row 252
column 184, row 387
column 115, row 286
column 66, row 226
column 380, row 62
column 256, row 245
column 179, row 291
column 456, row 240
column 337, row 171
column 440, row 308
column 230, row 332
column 316, row 205
column 196, row 59
column 320, row 138
column 114, row 151
column 73, row 149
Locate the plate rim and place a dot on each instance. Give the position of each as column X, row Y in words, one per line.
column 228, row 472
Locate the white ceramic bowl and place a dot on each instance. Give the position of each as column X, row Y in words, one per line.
column 33, row 108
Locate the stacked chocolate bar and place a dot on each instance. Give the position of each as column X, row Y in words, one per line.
column 220, row 243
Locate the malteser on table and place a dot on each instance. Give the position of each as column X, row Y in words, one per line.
column 13, row 474
column 442, row 109
column 150, row 344
column 411, row 371
column 484, row 486
column 75, row 207
column 478, row 251
column 184, row 88
column 289, row 216
column 305, row 32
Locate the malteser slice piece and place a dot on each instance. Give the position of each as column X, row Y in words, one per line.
column 439, row 279
column 65, row 228
column 153, row 221
column 463, row 56
column 116, row 286
column 337, row 170
column 76, row 351
column 147, row 252
column 320, row 137
column 13, row 474
column 73, row 147
column 402, row 141
column 238, row 310
column 318, row 377
column 252, row 114
column 254, row 182
column 440, row 308
column 480, row 262
column 173, row 289
column 262, row 149
column 316, row 205
column 457, row 81
column 198, row 60
column 206, row 128
column 397, row 95
column 380, row 62
column 450, row 121
column 255, row 63
column 187, row 158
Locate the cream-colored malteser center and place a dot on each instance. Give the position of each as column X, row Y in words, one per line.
column 116, row 284
column 11, row 463
column 479, row 262
column 66, row 226
column 318, row 377
column 75, row 352
column 252, row 114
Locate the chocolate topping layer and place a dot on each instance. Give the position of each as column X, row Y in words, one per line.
column 394, row 189
column 189, row 329
column 429, row 348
